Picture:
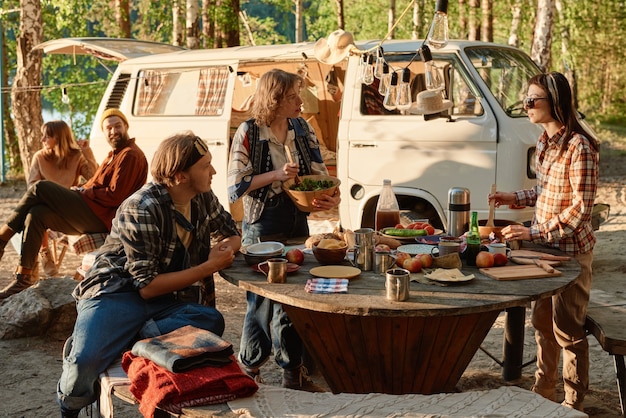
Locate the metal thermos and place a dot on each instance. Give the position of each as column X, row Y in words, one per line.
column 458, row 211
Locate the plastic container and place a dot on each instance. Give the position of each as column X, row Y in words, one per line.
column 387, row 209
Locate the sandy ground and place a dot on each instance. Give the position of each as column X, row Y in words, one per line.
column 30, row 367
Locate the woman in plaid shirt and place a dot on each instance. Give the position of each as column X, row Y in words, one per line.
column 567, row 179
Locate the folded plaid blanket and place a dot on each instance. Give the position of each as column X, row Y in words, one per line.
column 184, row 349
column 320, row 285
column 154, row 386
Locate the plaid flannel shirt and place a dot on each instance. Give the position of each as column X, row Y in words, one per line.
column 144, row 238
column 565, row 193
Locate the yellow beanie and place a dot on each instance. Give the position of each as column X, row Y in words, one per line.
column 113, row 112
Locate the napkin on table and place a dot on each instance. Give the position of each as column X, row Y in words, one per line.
column 321, row 285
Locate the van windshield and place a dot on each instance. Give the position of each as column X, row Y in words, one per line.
column 506, row 73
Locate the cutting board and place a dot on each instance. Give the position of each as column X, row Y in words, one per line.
column 517, row 272
column 542, row 256
column 517, row 259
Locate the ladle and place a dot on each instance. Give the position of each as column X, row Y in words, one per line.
column 290, row 157
column 492, row 209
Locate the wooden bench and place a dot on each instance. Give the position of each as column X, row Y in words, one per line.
column 606, row 320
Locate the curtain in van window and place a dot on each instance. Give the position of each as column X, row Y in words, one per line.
column 150, row 91
column 212, row 85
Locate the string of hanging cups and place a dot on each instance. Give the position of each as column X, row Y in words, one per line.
column 394, row 84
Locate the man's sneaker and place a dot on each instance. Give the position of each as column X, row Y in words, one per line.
column 20, row 282
column 299, row 379
column 49, row 267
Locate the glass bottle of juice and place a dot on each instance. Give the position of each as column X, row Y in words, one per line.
column 473, row 241
column 387, row 209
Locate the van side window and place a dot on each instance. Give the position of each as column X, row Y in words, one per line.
column 169, row 92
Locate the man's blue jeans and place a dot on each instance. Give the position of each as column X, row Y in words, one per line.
column 108, row 324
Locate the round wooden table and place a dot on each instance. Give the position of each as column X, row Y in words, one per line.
column 364, row 343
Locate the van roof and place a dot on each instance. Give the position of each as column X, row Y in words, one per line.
column 291, row 51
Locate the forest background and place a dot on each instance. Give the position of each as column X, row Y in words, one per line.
column 582, row 39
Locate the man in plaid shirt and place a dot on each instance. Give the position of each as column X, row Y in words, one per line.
column 160, row 244
column 567, row 179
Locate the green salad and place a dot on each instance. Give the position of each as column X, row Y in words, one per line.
column 309, row 185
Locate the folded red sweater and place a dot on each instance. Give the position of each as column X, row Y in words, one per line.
column 154, row 386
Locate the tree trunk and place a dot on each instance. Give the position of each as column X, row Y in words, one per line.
column 25, row 93
column 191, row 25
column 391, row 18
column 462, row 19
column 122, row 17
column 515, row 22
column 12, row 149
column 177, row 28
column 542, row 34
column 474, row 24
column 231, row 24
column 487, row 21
column 340, row 16
column 299, row 29
column 568, row 69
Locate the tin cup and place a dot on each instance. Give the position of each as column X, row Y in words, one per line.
column 397, row 284
column 276, row 270
column 383, row 261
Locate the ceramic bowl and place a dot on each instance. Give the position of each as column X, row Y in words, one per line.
column 327, row 256
column 266, row 248
column 252, row 259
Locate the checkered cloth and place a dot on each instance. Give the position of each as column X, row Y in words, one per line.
column 320, row 285
column 86, row 243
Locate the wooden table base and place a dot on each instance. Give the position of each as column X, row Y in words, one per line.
column 374, row 354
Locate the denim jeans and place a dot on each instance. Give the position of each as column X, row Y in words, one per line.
column 108, row 324
column 266, row 324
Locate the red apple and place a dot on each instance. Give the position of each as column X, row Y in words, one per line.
column 400, row 257
column 425, row 259
column 484, row 259
column 382, row 248
column 295, row 255
column 412, row 264
column 500, row 259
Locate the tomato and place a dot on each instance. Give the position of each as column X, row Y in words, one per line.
column 398, row 226
column 412, row 225
column 419, row 225
column 430, row 230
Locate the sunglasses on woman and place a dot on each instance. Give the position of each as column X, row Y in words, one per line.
column 529, row 102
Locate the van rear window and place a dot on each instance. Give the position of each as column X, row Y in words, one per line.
column 171, row 92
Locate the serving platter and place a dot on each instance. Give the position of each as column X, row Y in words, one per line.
column 335, row 272
column 411, row 239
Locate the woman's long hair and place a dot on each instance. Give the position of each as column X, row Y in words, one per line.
column 272, row 87
column 562, row 108
column 65, row 146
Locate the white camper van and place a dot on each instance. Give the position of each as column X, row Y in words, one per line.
column 483, row 137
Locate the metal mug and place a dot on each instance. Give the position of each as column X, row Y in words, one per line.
column 364, row 249
column 383, row 261
column 397, row 284
column 276, row 270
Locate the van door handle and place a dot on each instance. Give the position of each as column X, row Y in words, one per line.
column 216, row 143
column 363, row 145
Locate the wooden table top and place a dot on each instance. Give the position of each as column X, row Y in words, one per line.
column 366, row 292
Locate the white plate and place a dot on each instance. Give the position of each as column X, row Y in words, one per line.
column 335, row 272
column 453, row 279
column 265, row 248
column 414, row 249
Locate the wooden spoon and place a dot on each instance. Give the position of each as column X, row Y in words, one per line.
column 290, row 157
column 492, row 209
